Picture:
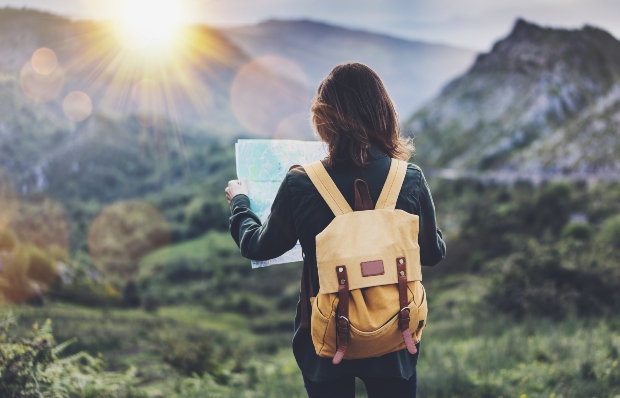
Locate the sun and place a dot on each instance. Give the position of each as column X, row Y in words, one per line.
column 151, row 24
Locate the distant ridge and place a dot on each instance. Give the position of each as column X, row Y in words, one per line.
column 319, row 25
column 543, row 100
column 413, row 71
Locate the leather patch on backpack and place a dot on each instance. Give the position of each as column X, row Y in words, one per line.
column 371, row 268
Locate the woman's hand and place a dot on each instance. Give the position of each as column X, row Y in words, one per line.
column 236, row 187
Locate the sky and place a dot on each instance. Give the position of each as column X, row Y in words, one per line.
column 473, row 24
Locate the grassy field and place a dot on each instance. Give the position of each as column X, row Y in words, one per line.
column 192, row 250
column 466, row 352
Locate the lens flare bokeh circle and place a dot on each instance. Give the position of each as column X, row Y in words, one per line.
column 9, row 203
column 121, row 234
column 40, row 87
column 295, row 127
column 44, row 61
column 41, row 247
column 266, row 91
column 77, row 106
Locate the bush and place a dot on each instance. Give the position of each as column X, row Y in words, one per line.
column 41, row 221
column 7, row 240
column 20, row 362
column 610, row 232
column 535, row 282
column 183, row 270
column 121, row 234
column 248, row 305
column 151, row 304
column 552, row 208
column 41, row 267
column 191, row 358
column 57, row 253
column 27, row 272
column 131, row 295
column 30, row 367
column 204, row 214
column 14, row 282
column 80, row 287
column 577, row 230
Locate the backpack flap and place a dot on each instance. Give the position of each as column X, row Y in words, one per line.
column 364, row 243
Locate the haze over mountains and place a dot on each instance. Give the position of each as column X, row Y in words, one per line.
column 541, row 101
column 411, row 70
column 196, row 85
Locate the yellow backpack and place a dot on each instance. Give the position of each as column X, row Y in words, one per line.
column 371, row 300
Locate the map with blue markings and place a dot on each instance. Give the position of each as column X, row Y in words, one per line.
column 264, row 163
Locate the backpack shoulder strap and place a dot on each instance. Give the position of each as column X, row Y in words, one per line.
column 392, row 186
column 326, row 187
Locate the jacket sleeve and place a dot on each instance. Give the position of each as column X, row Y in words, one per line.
column 270, row 240
column 430, row 238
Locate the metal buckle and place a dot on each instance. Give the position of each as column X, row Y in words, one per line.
column 404, row 316
column 344, row 328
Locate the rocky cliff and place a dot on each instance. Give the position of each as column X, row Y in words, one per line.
column 542, row 100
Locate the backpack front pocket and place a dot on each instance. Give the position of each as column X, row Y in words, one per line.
column 364, row 342
column 422, row 310
column 323, row 327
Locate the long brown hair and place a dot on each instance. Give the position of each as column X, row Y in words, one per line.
column 352, row 111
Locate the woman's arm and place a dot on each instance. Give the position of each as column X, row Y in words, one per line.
column 432, row 246
column 267, row 241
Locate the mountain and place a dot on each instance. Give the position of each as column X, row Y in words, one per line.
column 412, row 71
column 542, row 100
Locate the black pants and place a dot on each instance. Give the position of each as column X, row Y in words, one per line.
column 377, row 387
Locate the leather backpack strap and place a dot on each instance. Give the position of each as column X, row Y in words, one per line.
column 342, row 320
column 304, row 298
column 327, row 188
column 392, row 186
column 363, row 201
column 306, row 284
column 401, row 266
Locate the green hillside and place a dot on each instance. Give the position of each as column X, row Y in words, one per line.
column 525, row 302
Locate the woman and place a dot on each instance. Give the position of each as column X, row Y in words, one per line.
column 354, row 115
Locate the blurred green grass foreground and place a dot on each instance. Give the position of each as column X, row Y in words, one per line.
column 463, row 355
column 525, row 305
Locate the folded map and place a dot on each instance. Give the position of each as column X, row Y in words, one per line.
column 264, row 163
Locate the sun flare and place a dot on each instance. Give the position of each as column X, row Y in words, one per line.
column 151, row 24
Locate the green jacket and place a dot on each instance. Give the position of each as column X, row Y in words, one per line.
column 299, row 213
